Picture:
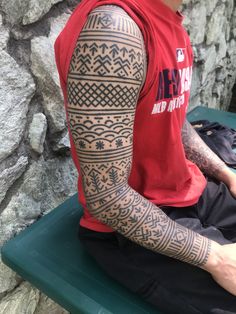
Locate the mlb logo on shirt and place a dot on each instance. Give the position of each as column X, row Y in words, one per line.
column 180, row 54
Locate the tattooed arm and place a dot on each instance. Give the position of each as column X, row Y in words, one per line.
column 106, row 74
column 222, row 265
column 199, row 153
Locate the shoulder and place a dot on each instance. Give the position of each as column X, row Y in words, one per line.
column 113, row 42
column 111, row 19
column 114, row 18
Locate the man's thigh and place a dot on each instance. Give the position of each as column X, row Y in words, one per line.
column 217, row 207
column 172, row 286
column 180, row 287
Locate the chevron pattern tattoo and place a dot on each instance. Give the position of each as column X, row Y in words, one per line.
column 106, row 74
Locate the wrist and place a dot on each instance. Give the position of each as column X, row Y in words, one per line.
column 214, row 259
column 227, row 176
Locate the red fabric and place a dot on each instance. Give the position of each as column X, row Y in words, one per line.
column 160, row 171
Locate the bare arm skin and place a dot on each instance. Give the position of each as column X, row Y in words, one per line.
column 106, row 74
column 199, row 153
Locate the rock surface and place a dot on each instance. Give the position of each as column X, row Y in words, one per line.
column 24, row 299
column 196, row 16
column 27, row 11
column 37, row 9
column 37, row 132
column 45, row 185
column 63, row 144
column 9, row 279
column 212, row 28
column 16, row 91
column 10, row 175
column 44, row 68
column 4, row 35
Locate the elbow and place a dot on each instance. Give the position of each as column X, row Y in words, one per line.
column 102, row 204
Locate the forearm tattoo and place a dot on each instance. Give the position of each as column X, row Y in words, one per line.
column 199, row 153
column 106, row 75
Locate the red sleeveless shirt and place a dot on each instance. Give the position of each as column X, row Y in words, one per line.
column 160, row 171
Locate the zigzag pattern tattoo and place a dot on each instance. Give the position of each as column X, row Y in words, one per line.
column 106, row 75
column 107, row 59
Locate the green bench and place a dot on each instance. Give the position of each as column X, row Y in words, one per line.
column 49, row 255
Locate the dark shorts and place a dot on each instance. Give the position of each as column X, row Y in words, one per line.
column 172, row 286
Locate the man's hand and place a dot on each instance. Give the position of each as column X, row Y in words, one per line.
column 222, row 266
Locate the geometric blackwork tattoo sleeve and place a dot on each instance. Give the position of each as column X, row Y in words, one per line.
column 198, row 152
column 106, row 74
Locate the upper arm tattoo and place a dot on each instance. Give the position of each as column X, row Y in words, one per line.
column 106, row 74
column 105, row 77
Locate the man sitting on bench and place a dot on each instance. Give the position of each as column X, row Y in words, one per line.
column 152, row 220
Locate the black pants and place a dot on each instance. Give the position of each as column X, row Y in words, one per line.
column 172, row 286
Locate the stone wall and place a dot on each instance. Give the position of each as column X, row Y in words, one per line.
column 36, row 172
column 212, row 28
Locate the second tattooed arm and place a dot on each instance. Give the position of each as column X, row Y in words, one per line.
column 199, row 153
column 106, row 74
